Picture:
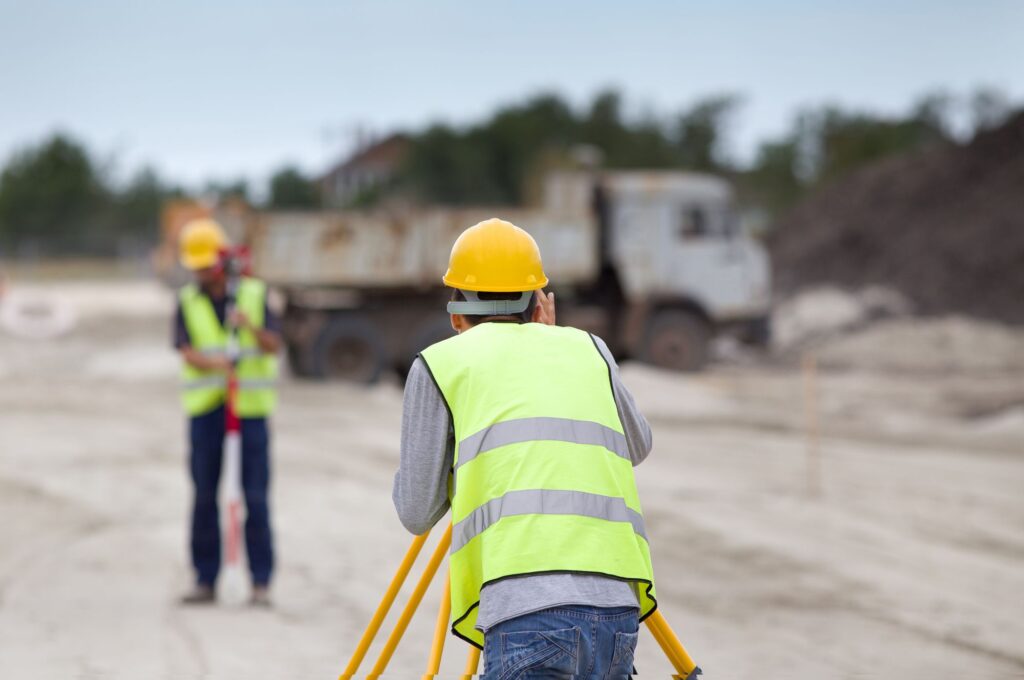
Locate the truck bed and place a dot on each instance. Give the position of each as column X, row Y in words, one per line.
column 389, row 250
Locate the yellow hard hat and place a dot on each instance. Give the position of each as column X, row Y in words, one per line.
column 200, row 243
column 495, row 256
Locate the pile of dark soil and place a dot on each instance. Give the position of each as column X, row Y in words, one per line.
column 944, row 226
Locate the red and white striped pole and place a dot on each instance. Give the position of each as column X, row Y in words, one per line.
column 233, row 475
column 231, row 482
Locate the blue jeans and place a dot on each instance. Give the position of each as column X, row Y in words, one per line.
column 574, row 641
column 206, row 433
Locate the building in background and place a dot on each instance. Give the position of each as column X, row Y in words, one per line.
column 365, row 174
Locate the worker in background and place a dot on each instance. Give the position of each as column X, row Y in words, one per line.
column 201, row 332
column 526, row 431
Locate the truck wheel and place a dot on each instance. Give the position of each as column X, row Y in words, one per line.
column 758, row 333
column 299, row 360
column 434, row 330
column 349, row 348
column 677, row 340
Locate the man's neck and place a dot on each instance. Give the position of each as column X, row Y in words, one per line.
column 499, row 319
column 214, row 291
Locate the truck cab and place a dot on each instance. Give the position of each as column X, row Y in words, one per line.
column 675, row 262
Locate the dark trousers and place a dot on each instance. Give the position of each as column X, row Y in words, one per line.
column 206, row 433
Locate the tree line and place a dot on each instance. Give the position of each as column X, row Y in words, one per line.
column 493, row 161
column 56, row 198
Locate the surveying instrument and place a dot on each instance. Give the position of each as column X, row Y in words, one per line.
column 684, row 666
column 235, row 264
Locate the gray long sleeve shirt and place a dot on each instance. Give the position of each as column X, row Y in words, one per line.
column 420, row 494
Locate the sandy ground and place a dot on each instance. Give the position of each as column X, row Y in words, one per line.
column 909, row 561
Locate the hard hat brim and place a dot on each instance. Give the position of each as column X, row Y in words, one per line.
column 199, row 261
column 451, row 282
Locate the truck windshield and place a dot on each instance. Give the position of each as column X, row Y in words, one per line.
column 705, row 221
column 694, row 222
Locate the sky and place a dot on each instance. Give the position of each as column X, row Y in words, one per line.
column 202, row 90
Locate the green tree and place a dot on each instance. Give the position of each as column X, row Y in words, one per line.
column 228, row 189
column 701, row 133
column 515, row 137
column 989, row 108
column 774, row 181
column 135, row 211
column 934, row 110
column 603, row 127
column 446, row 166
column 828, row 142
column 494, row 161
column 290, row 189
column 624, row 144
column 52, row 198
column 845, row 140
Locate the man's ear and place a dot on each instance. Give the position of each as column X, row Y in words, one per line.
column 459, row 322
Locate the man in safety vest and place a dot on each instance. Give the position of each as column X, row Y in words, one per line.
column 526, row 431
column 201, row 334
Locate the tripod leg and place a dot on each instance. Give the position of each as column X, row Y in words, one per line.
column 440, row 630
column 414, row 602
column 660, row 639
column 670, row 644
column 472, row 663
column 385, row 605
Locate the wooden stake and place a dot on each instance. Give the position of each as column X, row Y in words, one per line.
column 810, row 380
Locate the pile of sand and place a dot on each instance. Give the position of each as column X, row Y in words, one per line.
column 951, row 344
column 944, row 227
column 817, row 313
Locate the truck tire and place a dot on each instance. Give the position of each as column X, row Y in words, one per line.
column 348, row 348
column 425, row 335
column 299, row 360
column 758, row 333
column 677, row 340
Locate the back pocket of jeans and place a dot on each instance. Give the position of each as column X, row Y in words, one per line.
column 622, row 659
column 551, row 653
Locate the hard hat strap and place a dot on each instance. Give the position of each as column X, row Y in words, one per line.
column 474, row 306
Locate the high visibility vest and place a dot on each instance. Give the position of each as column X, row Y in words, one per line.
column 542, row 480
column 203, row 391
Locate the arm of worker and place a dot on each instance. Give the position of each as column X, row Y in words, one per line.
column 204, row 362
column 638, row 432
column 192, row 356
column 268, row 336
column 427, row 453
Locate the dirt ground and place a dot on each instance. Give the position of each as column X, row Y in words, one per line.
column 908, row 560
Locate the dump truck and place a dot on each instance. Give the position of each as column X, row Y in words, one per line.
column 655, row 263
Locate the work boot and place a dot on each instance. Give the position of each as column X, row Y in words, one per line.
column 260, row 597
column 200, row 594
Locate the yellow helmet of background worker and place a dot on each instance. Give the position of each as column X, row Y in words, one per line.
column 495, row 256
column 200, row 243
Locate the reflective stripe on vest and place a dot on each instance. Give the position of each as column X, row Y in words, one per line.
column 545, row 502
column 536, row 429
column 218, row 381
column 542, row 480
column 223, row 352
column 222, row 382
column 203, row 391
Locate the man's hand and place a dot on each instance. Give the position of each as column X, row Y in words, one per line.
column 544, row 312
column 216, row 363
column 221, row 364
column 239, row 319
column 269, row 342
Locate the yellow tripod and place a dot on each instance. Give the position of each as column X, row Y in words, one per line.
column 686, row 669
